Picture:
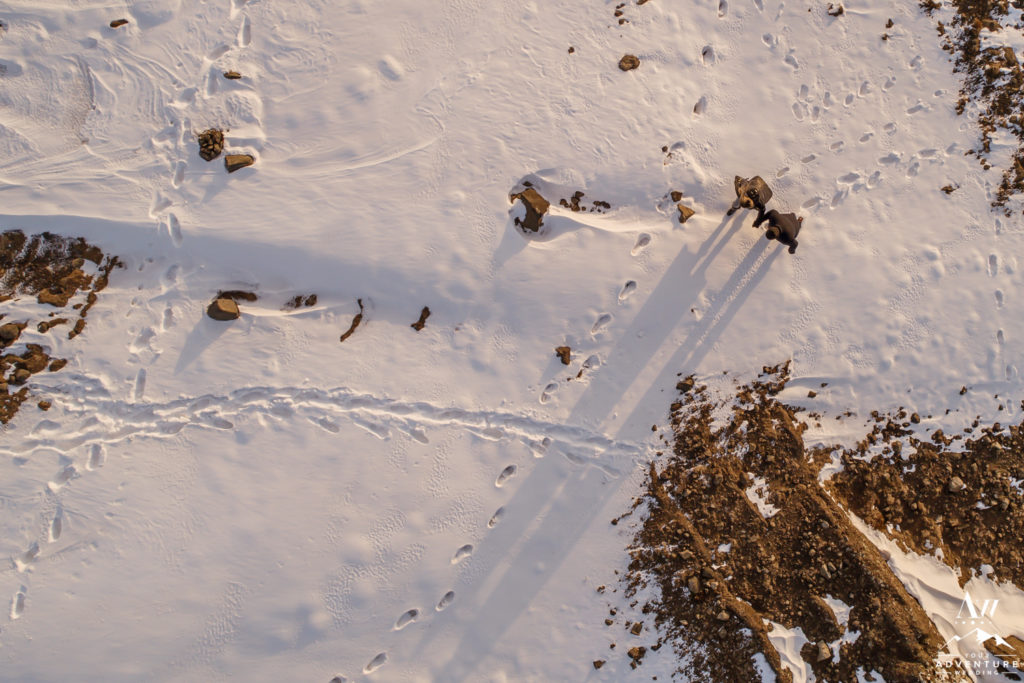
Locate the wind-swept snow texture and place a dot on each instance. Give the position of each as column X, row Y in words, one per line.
column 254, row 501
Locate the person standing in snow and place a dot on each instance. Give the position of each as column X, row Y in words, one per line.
column 752, row 193
column 783, row 227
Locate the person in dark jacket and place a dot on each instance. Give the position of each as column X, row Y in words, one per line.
column 751, row 193
column 783, row 227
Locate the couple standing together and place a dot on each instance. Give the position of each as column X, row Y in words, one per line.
column 754, row 193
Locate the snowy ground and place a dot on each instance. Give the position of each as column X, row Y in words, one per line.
column 255, row 500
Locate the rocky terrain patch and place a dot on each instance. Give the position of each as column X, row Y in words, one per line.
column 57, row 271
column 993, row 79
column 736, row 535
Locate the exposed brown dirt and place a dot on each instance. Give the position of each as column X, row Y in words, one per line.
column 959, row 493
column 299, row 300
column 722, row 568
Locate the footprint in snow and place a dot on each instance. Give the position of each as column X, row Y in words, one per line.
column 407, row 618
column 627, row 290
column 376, row 663
column 642, row 241
column 462, row 553
column 602, row 322
column 505, row 476
column 548, row 393
column 993, row 265
column 496, row 518
column 445, row 600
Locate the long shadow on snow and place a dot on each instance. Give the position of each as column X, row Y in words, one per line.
column 568, row 499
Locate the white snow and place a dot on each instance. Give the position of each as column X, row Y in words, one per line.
column 757, row 493
column 788, row 642
column 254, row 500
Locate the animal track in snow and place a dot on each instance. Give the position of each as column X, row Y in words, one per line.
column 22, row 562
column 174, row 228
column 56, row 525
column 407, row 618
column 505, row 475
column 627, row 290
column 97, row 456
column 462, row 553
column 642, row 241
column 245, row 32
column 18, row 603
column 602, row 322
column 376, row 663
column 445, row 601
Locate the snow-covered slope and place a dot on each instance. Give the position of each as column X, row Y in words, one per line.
column 257, row 500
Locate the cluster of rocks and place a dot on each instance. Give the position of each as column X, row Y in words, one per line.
column 211, row 144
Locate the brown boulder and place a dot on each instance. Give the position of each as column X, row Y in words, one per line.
column 536, row 207
column 223, row 309
column 629, row 62
column 10, row 332
column 234, row 162
column 685, row 212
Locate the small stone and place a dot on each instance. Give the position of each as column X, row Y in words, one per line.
column 608, row 622
column 824, row 651
column 685, row 385
column 598, row 663
column 234, row 162
column 686, row 554
column 57, row 364
column 629, row 62
column 677, row 196
column 44, row 405
column 707, row 573
column 223, row 309
column 637, row 628
column 564, row 353
column 117, row 23
column 21, row 376
column 693, row 583
column 571, row 49
column 956, row 484
column 723, row 616
column 685, row 212
column 232, row 75
column 811, row 394
column 915, row 418
column 636, row 652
